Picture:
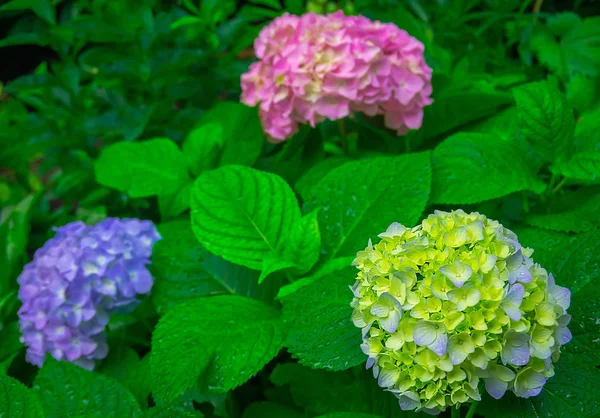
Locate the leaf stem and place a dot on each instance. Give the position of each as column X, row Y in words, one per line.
column 471, row 411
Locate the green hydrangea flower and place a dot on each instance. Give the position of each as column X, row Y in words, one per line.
column 454, row 302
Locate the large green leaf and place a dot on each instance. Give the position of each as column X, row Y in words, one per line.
column 472, row 168
column 318, row 318
column 574, row 263
column 569, row 45
column 572, row 260
column 171, row 412
column 585, row 309
column 125, row 366
column 301, row 250
column 174, row 204
column 17, row 400
column 316, row 173
column 584, row 163
column 361, row 199
column 326, row 269
column 221, row 341
column 185, row 270
column 576, row 260
column 568, row 394
column 545, row 119
column 67, row 390
column 141, row 169
column 577, row 211
column 203, row 147
column 242, row 214
column 241, row 131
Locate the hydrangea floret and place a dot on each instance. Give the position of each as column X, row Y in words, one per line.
column 76, row 280
column 316, row 67
column 453, row 302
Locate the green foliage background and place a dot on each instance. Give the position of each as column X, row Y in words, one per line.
column 133, row 111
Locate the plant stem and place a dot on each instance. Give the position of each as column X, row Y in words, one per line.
column 559, row 185
column 455, row 412
column 471, row 411
column 343, row 139
column 536, row 9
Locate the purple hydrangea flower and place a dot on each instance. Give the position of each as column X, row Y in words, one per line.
column 76, row 280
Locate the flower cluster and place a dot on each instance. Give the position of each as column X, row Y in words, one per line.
column 314, row 67
column 451, row 302
column 76, row 280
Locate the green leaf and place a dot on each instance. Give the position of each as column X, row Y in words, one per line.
column 270, row 410
column 503, row 124
column 581, row 166
column 573, row 262
column 303, row 246
column 321, row 392
column 10, row 336
column 318, row 317
column 185, row 270
column 453, row 106
column 171, row 412
column 272, row 263
column 316, row 173
column 295, row 7
column 585, row 310
column 14, row 235
column 391, row 189
column 577, row 212
column 203, row 147
column 125, row 366
column 545, row 119
column 571, row 259
column 242, row 214
column 326, row 269
column 142, row 169
column 17, row 400
column 568, row 394
column 241, row 129
column 172, row 205
column 577, row 262
column 576, row 51
column 42, row 8
column 222, row 341
column 584, row 164
column 582, row 92
column 471, row 168
column 67, row 390
column 187, row 20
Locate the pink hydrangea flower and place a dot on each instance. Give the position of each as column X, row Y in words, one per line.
column 315, row 67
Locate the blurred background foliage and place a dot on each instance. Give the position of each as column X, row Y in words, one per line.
column 79, row 75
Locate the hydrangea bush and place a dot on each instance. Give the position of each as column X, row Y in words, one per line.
column 186, row 190
column 453, row 301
